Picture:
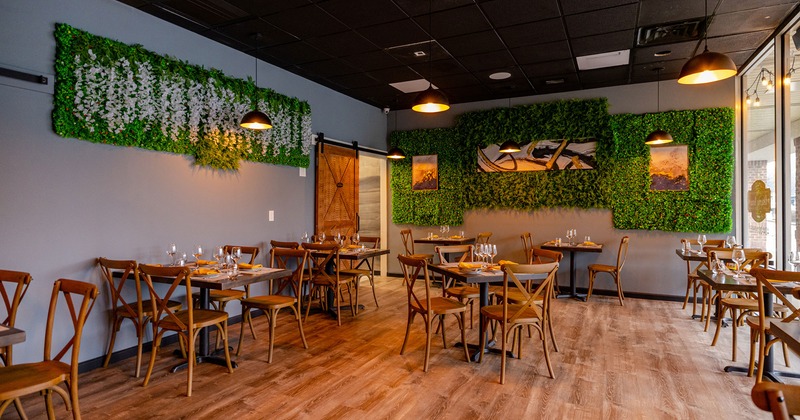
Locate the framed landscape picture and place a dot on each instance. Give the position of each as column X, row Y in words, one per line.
column 424, row 173
column 669, row 168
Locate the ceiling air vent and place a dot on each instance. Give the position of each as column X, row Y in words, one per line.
column 669, row 33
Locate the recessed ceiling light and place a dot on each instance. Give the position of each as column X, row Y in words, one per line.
column 420, row 53
column 662, row 53
column 602, row 60
column 554, row 81
column 500, row 75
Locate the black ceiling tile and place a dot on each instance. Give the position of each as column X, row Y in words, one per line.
column 465, row 92
column 506, row 90
column 486, row 61
column 514, row 12
column 677, row 51
column 296, row 52
column 654, row 12
column 647, row 72
column 225, row 39
column 543, row 52
column 394, row 74
column 456, row 80
column 570, row 82
column 616, row 73
column 739, row 5
column 749, row 21
column 738, row 42
column 360, row 13
column 206, row 12
column 453, row 22
column 355, row 80
column 439, row 67
column 596, row 44
column 421, row 52
column 342, row 44
column 549, row 68
column 541, row 32
column 416, row 7
column 175, row 17
column 306, row 22
column 602, row 21
column 473, row 43
column 572, row 7
column 261, row 8
column 245, row 30
column 328, row 68
column 372, row 60
column 393, row 34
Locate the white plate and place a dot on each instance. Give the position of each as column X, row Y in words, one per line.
column 473, row 271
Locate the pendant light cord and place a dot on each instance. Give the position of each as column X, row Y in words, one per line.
column 430, row 43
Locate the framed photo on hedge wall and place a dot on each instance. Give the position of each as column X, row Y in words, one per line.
column 669, row 168
column 424, row 173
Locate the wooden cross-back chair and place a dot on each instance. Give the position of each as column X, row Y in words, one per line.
column 272, row 304
column 408, row 245
column 47, row 376
column 365, row 267
column 527, row 245
column 614, row 270
column 782, row 400
column 692, row 279
column 320, row 257
column 284, row 285
column 13, row 286
column 186, row 323
column 483, row 237
column 767, row 281
column 463, row 292
column 127, row 271
column 429, row 307
column 740, row 305
column 523, row 311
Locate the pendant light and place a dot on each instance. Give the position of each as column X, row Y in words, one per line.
column 430, row 100
column 708, row 66
column 395, row 153
column 658, row 136
column 255, row 119
column 509, row 146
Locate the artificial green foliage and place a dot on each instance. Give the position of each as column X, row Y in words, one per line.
column 620, row 182
column 110, row 92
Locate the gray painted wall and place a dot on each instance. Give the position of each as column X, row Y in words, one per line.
column 652, row 265
column 66, row 201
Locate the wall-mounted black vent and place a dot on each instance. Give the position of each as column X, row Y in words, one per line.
column 669, row 33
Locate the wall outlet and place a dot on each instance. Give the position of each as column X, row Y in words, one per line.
column 271, row 215
column 302, row 172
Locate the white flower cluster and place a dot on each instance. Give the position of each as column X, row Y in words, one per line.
column 122, row 93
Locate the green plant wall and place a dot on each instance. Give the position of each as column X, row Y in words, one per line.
column 621, row 181
column 110, row 92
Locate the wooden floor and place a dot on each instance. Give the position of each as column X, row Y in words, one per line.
column 645, row 360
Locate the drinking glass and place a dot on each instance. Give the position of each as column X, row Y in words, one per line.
column 701, row 239
column 730, row 241
column 304, row 238
column 447, row 230
column 356, row 239
column 182, row 260
column 477, row 251
column 587, row 239
column 441, row 230
column 492, row 252
column 236, row 254
column 219, row 253
column 339, row 238
column 321, row 237
column 198, row 252
column 171, row 250
column 738, row 257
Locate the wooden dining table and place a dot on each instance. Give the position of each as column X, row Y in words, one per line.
column 723, row 281
column 572, row 249
column 446, row 240
column 10, row 336
column 354, row 256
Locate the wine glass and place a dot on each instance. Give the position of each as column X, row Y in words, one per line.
column 356, row 238
column 171, row 251
column 447, row 230
column 738, row 257
column 219, row 253
column 198, row 252
column 492, row 252
column 304, row 238
column 477, row 251
column 236, row 254
column 182, row 260
column 701, row 239
column 321, row 237
column 730, row 241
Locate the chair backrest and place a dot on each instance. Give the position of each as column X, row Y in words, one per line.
column 160, row 302
column 416, row 269
column 80, row 298
column 283, row 244
column 464, row 250
column 518, row 276
column 527, row 244
column 541, row 256
column 373, row 242
column 296, row 259
column 782, row 400
column 252, row 251
column 622, row 254
column 408, row 241
column 483, row 237
column 320, row 255
column 128, row 269
column 768, row 281
column 13, row 285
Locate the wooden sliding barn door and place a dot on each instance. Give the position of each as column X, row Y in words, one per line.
column 337, row 190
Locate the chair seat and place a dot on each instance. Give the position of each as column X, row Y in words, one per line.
column 123, row 312
column 269, row 301
column 322, row 281
column 463, row 292
column 529, row 314
column 440, row 306
column 741, row 303
column 356, row 272
column 27, row 378
column 424, row 256
column 752, row 321
column 202, row 318
column 602, row 268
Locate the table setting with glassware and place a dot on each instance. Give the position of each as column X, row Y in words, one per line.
column 445, row 238
column 572, row 246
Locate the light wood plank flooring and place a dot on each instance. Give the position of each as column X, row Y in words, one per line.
column 645, row 360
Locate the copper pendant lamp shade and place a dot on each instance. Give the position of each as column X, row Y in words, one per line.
column 395, row 153
column 431, row 100
column 510, row 146
column 706, row 68
column 658, row 137
column 256, row 120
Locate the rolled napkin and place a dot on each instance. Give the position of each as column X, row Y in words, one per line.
column 245, row 266
column 206, row 262
column 469, row 265
column 456, row 237
column 205, row 271
column 589, row 243
column 352, row 246
column 506, row 262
